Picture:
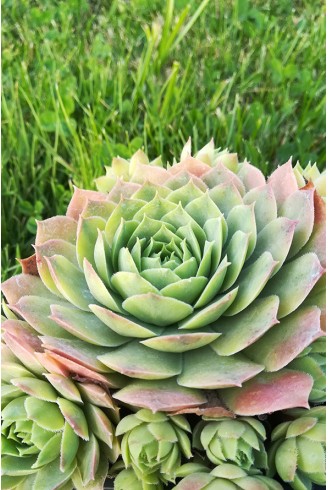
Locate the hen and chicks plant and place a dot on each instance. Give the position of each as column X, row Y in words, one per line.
column 191, row 288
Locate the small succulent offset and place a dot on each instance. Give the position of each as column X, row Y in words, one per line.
column 227, row 477
column 54, row 433
column 195, row 288
column 238, row 441
column 153, row 445
column 298, row 452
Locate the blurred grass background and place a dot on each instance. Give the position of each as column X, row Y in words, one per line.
column 85, row 81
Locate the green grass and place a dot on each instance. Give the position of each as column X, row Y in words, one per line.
column 85, row 81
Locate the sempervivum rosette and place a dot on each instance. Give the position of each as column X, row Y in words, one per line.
column 153, row 446
column 56, row 432
column 238, row 441
column 227, row 477
column 298, row 450
column 183, row 280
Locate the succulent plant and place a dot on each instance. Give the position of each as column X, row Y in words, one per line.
column 313, row 361
column 227, row 477
column 195, row 287
column 172, row 276
column 238, row 441
column 56, row 432
column 299, row 448
column 153, row 445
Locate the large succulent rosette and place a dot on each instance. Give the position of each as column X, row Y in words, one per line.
column 186, row 287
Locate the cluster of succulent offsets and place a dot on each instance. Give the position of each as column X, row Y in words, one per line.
column 159, row 321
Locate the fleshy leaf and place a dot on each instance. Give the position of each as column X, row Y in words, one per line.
column 317, row 241
column 97, row 395
column 99, row 424
column 202, row 209
column 49, row 249
column 226, row 197
column 269, row 392
column 282, row 229
column 294, row 281
column 265, row 205
column 191, row 165
column 128, row 284
column 222, row 175
column 245, row 328
column 23, row 344
column 57, row 227
column 75, row 417
column 207, row 370
column 198, row 481
column 287, row 340
column 49, row 452
column 186, row 290
column 210, row 313
column 214, row 284
column 251, row 282
column 185, row 194
column 87, row 234
column 36, row 310
column 37, row 388
column 23, row 285
column 50, row 477
column 46, row 415
column 64, row 386
column 242, row 218
column 80, row 199
column 283, row 182
column 250, row 176
column 89, row 456
column 69, row 446
column 70, row 281
column 155, row 309
column 16, row 466
column 101, row 252
column 85, row 326
column 160, row 395
column 173, row 340
column 300, row 426
column 299, row 207
column 311, row 456
column 98, row 289
column 125, row 326
column 67, row 365
column 286, row 459
column 77, row 350
column 236, row 252
column 138, row 361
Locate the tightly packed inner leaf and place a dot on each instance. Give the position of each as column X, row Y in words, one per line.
column 198, row 276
